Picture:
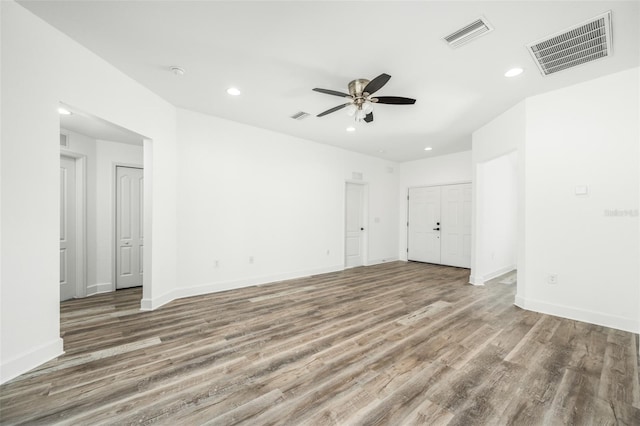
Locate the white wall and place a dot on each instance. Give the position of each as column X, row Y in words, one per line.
column 41, row 67
column 585, row 134
column 245, row 192
column 503, row 136
column 445, row 169
column 497, row 214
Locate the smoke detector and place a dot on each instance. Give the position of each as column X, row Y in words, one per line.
column 177, row 70
column 577, row 45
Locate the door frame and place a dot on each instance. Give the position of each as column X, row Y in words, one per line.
column 365, row 222
column 406, row 242
column 80, row 162
column 114, row 219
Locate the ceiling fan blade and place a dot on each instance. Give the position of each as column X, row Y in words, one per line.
column 395, row 100
column 376, row 84
column 334, row 109
column 368, row 118
column 331, row 92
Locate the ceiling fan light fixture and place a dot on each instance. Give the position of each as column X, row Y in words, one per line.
column 359, row 100
column 428, row 148
column 234, row 91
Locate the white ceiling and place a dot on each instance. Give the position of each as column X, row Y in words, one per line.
column 276, row 52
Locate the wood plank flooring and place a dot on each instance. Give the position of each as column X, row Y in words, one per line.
column 392, row 344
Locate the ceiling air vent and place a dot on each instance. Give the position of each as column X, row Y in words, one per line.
column 470, row 32
column 64, row 140
column 300, row 115
column 574, row 46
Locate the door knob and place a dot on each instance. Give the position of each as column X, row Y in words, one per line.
column 436, row 229
column 362, row 229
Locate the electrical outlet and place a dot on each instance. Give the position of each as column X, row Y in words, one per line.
column 552, row 279
column 250, row 259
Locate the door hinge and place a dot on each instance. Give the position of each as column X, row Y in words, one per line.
column 407, row 198
column 407, row 249
column 407, row 224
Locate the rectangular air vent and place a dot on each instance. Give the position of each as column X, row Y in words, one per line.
column 574, row 46
column 301, row 115
column 468, row 33
column 64, row 140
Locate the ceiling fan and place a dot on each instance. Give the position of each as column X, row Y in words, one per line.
column 360, row 102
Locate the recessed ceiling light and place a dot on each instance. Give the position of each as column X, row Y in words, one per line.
column 513, row 72
column 428, row 148
column 63, row 111
column 233, row 91
column 351, row 129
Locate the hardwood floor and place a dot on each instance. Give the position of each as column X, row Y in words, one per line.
column 393, row 344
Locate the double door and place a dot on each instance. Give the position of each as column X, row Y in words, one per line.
column 439, row 225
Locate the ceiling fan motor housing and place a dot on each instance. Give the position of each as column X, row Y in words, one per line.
column 356, row 87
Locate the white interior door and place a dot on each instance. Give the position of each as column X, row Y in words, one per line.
column 354, row 225
column 129, row 227
column 456, row 225
column 423, row 229
column 67, row 228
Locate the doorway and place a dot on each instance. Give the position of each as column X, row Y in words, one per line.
column 354, row 240
column 439, row 225
column 72, row 226
column 68, row 246
column 129, row 227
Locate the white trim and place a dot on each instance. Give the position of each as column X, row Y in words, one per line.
column 381, row 260
column 80, row 162
column 99, row 288
column 431, row 185
column 21, row 364
column 488, row 277
column 179, row 293
column 475, row 281
column 591, row 317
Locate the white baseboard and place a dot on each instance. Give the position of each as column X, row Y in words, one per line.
column 475, row 281
column 179, row 293
column 480, row 280
column 21, row 364
column 99, row 288
column 591, row 317
column 371, row 262
column 155, row 303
